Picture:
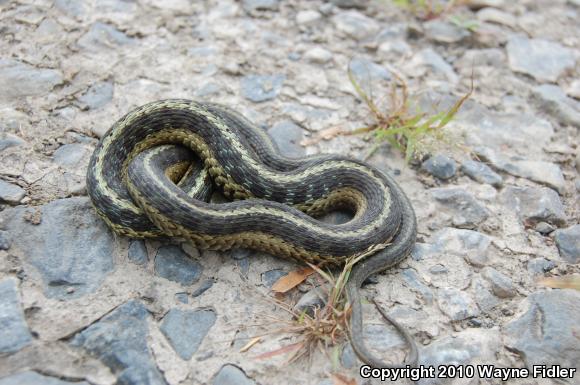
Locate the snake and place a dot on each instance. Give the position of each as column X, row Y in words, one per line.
column 153, row 174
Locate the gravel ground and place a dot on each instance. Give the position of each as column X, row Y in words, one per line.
column 79, row 305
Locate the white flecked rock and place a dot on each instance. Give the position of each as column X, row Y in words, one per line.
column 318, row 55
column 307, row 17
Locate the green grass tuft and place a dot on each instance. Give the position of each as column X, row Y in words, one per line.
column 407, row 129
column 427, row 9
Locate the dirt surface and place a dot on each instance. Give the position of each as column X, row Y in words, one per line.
column 80, row 305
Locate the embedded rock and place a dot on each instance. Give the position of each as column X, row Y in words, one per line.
column 544, row 60
column 172, row 263
column 14, row 333
column 546, row 333
column 186, row 329
column 70, row 246
column 119, row 340
column 568, row 242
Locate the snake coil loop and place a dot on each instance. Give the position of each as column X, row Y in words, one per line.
column 145, row 181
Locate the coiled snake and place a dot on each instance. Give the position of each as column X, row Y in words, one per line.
column 145, row 181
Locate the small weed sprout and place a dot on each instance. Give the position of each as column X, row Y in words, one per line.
column 407, row 129
column 427, row 9
column 326, row 328
column 464, row 23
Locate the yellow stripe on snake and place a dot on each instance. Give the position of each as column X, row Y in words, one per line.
column 152, row 172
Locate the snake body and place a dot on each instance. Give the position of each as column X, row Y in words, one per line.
column 145, row 181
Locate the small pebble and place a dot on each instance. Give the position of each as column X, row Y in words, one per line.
column 440, row 167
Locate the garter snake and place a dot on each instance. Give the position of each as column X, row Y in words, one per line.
column 150, row 176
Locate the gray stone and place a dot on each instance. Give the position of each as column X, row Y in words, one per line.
column 172, row 263
column 208, row 89
column 49, row 31
column 497, row 16
column 544, row 228
column 244, row 266
column 14, row 333
column 355, row 25
column 393, row 31
column 463, row 348
column 568, row 242
column 75, row 137
column 423, row 250
column 71, row 246
column 260, row 5
column 11, row 193
column 466, row 210
column 203, row 287
column 501, row 284
column 312, row 299
column 545, row 173
column 270, row 277
column 395, row 47
column 366, row 71
column 18, row 79
column 540, row 266
column 440, row 166
column 444, row 32
column 553, row 100
column 71, row 155
column 97, row 96
column 428, row 60
column 481, row 172
column 122, row 6
column 499, row 130
column 203, row 51
column 119, row 340
column 294, row 56
column 318, row 55
column 546, row 334
column 415, row 283
column 472, row 245
column 259, row 88
column 483, row 296
column 456, row 304
column 182, row 297
column 489, row 57
column 438, row 269
column 186, row 329
column 231, row 375
column 33, row 378
column 103, row 36
column 239, row 254
column 534, row 204
column 304, row 114
column 71, row 7
column 138, row 252
column 9, row 140
column 573, row 89
column 544, row 60
column 287, row 137
column 5, row 240
column 307, row 17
